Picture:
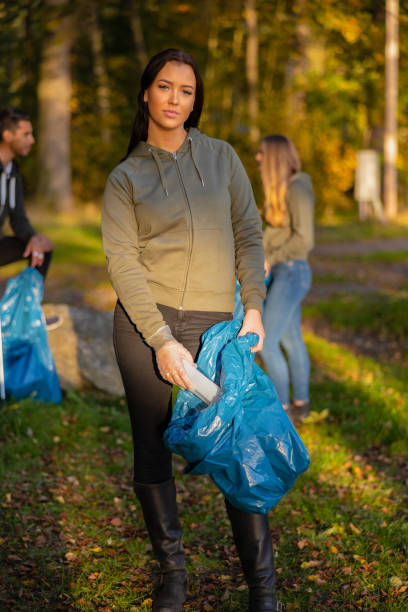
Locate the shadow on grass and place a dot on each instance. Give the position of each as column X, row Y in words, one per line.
column 34, row 574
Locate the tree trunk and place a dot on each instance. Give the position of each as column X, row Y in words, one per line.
column 102, row 84
column 54, row 96
column 252, row 67
column 298, row 65
column 137, row 32
column 391, row 102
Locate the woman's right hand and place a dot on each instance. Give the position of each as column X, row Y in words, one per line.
column 169, row 361
column 267, row 268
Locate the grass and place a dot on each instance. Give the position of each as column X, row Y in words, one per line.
column 72, row 536
column 383, row 315
column 71, row 533
column 76, row 238
column 351, row 229
column 78, row 267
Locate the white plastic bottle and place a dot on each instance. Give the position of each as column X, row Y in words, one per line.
column 203, row 387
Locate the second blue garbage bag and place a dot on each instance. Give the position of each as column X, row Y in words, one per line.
column 244, row 441
column 29, row 368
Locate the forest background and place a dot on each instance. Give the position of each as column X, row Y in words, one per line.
column 312, row 70
column 71, row 533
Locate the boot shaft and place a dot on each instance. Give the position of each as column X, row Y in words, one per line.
column 160, row 513
column 254, row 545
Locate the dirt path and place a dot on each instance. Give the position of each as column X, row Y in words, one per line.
column 365, row 247
column 334, row 274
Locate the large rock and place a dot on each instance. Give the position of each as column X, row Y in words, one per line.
column 82, row 349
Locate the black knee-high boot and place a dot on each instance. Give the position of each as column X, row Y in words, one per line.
column 160, row 513
column 254, row 544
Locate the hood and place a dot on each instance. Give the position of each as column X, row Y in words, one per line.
column 302, row 177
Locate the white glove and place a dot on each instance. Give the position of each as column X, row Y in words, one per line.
column 169, row 361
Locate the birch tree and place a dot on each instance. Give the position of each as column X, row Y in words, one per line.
column 391, row 103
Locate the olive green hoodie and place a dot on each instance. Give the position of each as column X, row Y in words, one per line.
column 176, row 229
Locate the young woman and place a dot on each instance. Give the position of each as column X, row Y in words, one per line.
column 178, row 219
column 288, row 238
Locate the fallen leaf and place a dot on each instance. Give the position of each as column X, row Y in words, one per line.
column 116, row 521
column 395, row 581
column 41, row 540
column 315, row 578
column 308, row 564
column 354, row 528
column 316, row 417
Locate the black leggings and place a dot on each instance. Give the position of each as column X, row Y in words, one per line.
column 148, row 396
column 12, row 249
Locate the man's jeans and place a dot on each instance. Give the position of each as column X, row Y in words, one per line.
column 290, row 283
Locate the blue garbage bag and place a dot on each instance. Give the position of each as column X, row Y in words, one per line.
column 244, row 440
column 29, row 368
column 238, row 306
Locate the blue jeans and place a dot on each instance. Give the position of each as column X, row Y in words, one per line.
column 290, row 283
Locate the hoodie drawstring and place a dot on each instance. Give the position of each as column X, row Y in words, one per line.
column 156, row 158
column 160, row 169
column 12, row 192
column 195, row 162
column 3, row 191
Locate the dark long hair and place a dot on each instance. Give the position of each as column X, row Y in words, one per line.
column 141, row 122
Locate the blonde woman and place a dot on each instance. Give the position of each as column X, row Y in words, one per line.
column 288, row 238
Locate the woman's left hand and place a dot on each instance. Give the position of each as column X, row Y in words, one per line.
column 253, row 323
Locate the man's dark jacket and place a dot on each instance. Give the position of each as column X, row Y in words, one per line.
column 12, row 204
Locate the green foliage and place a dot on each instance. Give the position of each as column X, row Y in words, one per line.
column 321, row 80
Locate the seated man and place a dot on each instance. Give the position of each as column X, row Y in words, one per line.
column 16, row 138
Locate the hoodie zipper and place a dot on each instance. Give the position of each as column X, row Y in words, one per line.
column 191, row 233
